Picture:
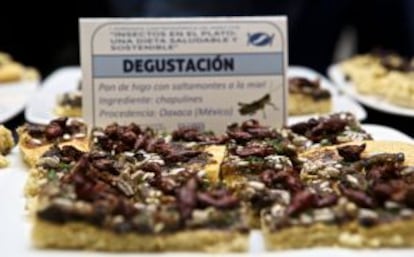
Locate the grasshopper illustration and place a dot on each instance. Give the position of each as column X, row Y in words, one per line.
column 259, row 104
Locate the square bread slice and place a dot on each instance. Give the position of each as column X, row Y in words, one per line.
column 308, row 97
column 156, row 195
column 356, row 195
column 69, row 104
column 78, row 235
column 6, row 144
column 103, row 205
column 35, row 140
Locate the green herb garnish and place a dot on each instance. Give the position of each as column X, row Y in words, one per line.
column 64, row 167
column 277, row 145
column 325, row 142
column 254, row 160
column 164, row 134
column 51, row 175
column 209, row 133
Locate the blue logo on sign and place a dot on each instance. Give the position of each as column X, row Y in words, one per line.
column 260, row 39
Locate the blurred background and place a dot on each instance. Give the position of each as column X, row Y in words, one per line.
column 320, row 31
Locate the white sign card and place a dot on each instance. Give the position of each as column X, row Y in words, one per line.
column 178, row 72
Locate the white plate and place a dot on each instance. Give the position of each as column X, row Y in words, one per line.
column 380, row 132
column 14, row 97
column 375, row 102
column 40, row 107
column 339, row 102
column 15, row 228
